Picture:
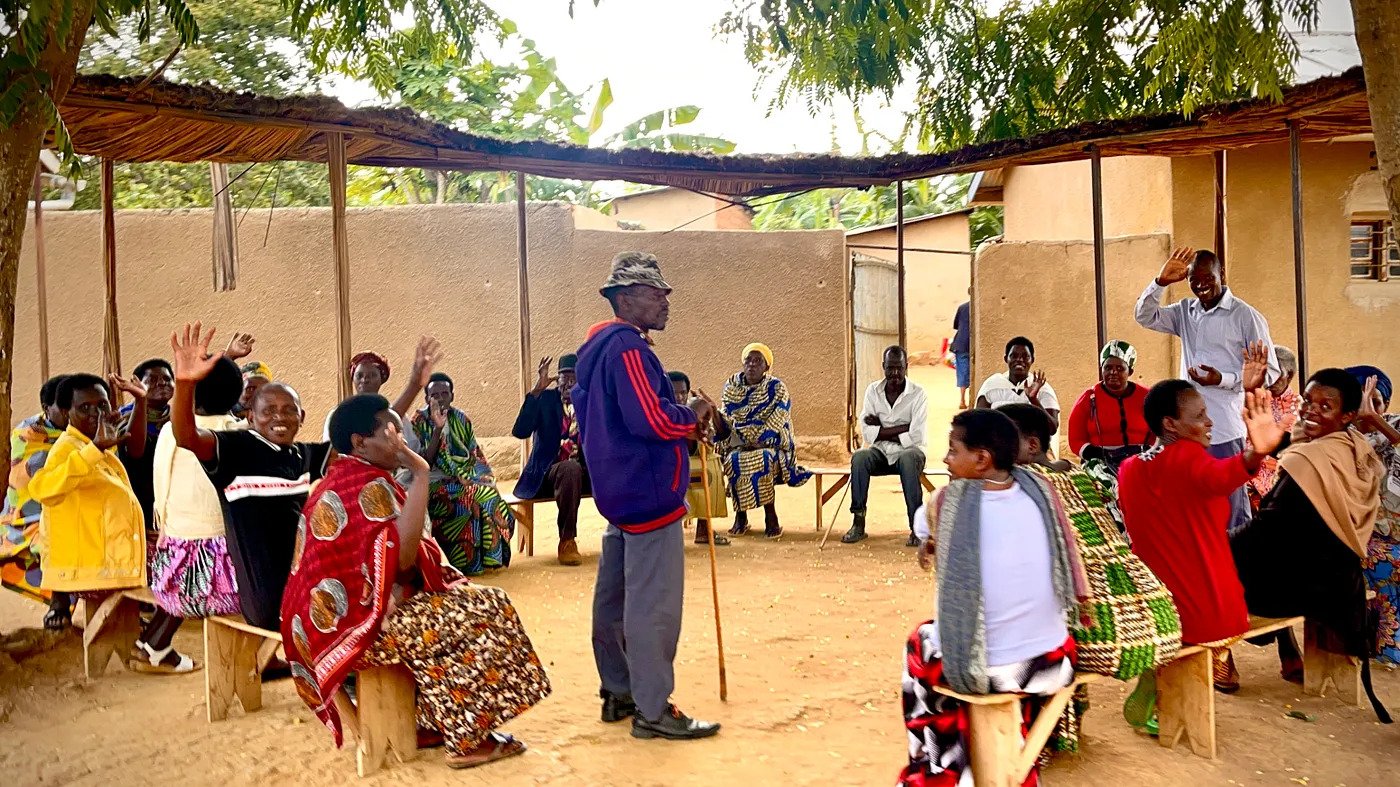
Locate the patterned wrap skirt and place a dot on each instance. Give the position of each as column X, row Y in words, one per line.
column 472, row 524
column 194, row 578
column 471, row 659
column 1382, row 568
column 938, row 725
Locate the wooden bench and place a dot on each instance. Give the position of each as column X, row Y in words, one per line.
column 1185, row 706
column 996, row 754
column 843, row 477
column 382, row 720
column 111, row 628
column 524, row 510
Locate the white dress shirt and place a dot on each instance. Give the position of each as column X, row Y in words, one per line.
column 1215, row 338
column 910, row 408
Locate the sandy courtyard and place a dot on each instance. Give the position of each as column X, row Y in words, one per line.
column 813, row 644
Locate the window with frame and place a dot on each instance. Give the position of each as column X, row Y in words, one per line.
column 1374, row 254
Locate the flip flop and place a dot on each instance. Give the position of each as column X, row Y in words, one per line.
column 145, row 660
column 501, row 747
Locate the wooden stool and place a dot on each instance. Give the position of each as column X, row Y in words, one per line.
column 111, row 628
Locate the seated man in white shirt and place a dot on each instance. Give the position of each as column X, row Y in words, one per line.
column 1018, row 384
column 894, row 430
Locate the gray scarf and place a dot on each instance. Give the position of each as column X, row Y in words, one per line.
column 962, row 627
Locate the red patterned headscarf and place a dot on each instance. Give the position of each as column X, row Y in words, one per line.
column 371, row 358
column 343, row 570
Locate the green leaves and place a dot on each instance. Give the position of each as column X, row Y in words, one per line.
column 993, row 70
column 604, row 100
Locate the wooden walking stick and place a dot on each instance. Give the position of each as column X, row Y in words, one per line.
column 714, row 574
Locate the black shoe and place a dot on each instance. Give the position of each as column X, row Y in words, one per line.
column 617, row 707
column 673, row 725
column 857, row 531
column 913, row 540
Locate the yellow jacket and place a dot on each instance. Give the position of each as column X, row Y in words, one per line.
column 91, row 530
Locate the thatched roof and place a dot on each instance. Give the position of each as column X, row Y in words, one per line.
column 164, row 121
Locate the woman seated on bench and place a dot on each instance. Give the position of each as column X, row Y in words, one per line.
column 1302, row 552
column 91, row 532
column 1176, row 505
column 368, row 589
column 1009, row 576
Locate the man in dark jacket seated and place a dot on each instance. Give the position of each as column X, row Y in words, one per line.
column 556, row 467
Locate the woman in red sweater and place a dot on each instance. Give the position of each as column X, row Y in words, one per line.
column 1107, row 421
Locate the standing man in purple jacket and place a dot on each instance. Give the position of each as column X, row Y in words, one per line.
column 634, row 441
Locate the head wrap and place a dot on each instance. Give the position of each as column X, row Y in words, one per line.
column 257, row 369
column 761, row 349
column 568, row 362
column 1364, row 373
column 1121, row 350
column 635, row 267
column 373, row 358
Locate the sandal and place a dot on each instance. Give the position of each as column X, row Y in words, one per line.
column 159, row 662
column 58, row 619
column 496, row 747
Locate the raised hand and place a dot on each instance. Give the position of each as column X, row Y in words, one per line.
column 1205, row 375
column 240, row 346
column 1035, row 386
column 426, row 357
column 133, row 386
column 110, row 433
column 1175, row 268
column 1265, row 434
column 438, row 413
column 1256, row 365
column 545, row 379
column 193, row 361
column 1371, row 403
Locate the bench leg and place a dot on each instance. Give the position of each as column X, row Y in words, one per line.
column 386, row 717
column 1322, row 667
column 1186, row 703
column 994, row 743
column 232, row 668
column 110, row 628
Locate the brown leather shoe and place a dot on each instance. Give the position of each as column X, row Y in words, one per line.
column 568, row 553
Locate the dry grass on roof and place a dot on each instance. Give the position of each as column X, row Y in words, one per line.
column 166, row 121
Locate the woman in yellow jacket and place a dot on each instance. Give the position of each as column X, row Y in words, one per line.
column 91, row 531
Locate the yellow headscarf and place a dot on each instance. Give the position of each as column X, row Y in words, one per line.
column 761, row 349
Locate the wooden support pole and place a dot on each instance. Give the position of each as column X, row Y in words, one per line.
column 899, row 261
column 522, row 288
column 1220, row 207
column 1300, row 297
column 111, row 331
column 1100, row 293
column 336, row 164
column 40, row 275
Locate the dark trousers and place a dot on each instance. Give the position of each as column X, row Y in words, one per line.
column 637, row 614
column 567, row 483
column 908, row 465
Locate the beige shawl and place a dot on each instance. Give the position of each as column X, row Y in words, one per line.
column 1341, row 476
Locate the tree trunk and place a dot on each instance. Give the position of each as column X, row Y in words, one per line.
column 1378, row 38
column 19, row 155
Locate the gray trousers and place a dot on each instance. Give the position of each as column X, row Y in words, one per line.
column 867, row 462
column 1240, row 511
column 637, row 614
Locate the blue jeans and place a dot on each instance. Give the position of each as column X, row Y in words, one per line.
column 1240, row 512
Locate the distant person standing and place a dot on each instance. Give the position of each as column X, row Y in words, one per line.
column 1215, row 328
column 961, row 348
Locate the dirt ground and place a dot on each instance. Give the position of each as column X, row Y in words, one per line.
column 813, row 641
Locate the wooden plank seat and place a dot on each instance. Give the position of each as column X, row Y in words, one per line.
column 524, row 510
column 111, row 628
column 1185, row 705
column 383, row 719
column 842, row 477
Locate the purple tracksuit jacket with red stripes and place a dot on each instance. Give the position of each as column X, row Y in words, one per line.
column 632, row 429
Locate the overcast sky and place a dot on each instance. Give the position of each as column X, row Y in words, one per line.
column 663, row 53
